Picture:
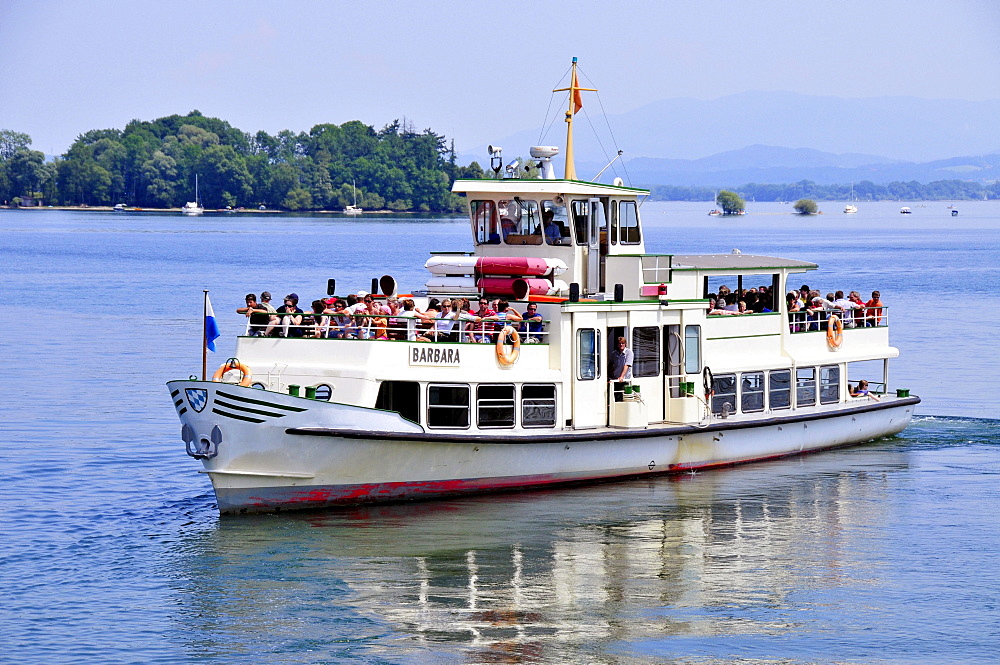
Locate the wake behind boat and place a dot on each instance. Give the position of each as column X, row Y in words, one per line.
column 374, row 407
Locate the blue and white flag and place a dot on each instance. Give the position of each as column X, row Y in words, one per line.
column 211, row 327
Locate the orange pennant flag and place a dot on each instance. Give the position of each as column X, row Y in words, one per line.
column 575, row 91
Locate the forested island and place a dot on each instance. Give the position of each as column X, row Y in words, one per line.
column 153, row 165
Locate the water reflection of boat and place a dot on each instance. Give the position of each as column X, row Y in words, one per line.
column 386, row 420
column 552, row 572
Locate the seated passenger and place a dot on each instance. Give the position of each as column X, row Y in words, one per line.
column 410, row 317
column 796, row 320
column 483, row 329
column 504, row 314
column 291, row 317
column 444, row 326
column 873, row 313
column 464, row 318
column 258, row 316
column 863, row 391
column 339, row 320
column 314, row 323
column 532, row 325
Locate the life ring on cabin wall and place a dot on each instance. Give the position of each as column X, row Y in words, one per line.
column 231, row 365
column 504, row 357
column 834, row 331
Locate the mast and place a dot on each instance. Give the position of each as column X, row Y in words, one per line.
column 575, row 104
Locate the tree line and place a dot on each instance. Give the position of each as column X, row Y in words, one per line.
column 939, row 190
column 153, row 165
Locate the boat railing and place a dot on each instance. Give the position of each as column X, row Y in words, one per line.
column 375, row 327
column 862, row 317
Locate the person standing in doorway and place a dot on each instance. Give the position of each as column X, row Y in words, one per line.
column 621, row 367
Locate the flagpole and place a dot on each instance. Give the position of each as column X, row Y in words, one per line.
column 204, row 337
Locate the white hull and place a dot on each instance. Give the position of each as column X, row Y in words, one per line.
column 327, row 454
column 192, row 209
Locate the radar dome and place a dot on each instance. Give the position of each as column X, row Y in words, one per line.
column 544, row 151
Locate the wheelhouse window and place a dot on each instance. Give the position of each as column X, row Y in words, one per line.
column 485, row 222
column 779, row 389
column 628, row 223
column 805, row 386
column 495, row 405
column 538, row 405
column 520, row 222
column 724, row 386
column 447, row 405
column 829, row 384
column 556, row 223
column 692, row 349
column 752, row 392
column 581, row 221
column 646, row 351
column 589, row 345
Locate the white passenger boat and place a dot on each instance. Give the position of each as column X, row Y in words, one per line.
column 318, row 422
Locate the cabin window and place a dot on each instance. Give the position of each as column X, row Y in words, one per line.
column 628, row 223
column 779, row 389
column 403, row 397
column 556, row 223
column 724, row 386
column 646, row 349
column 485, row 222
column 675, row 351
column 520, row 222
column 495, row 405
column 581, row 221
column 538, row 405
column 805, row 386
column 589, row 343
column 751, row 392
column 447, row 405
column 829, row 384
column 692, row 349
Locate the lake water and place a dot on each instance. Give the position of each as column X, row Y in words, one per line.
column 112, row 550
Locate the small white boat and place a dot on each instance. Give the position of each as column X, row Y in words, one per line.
column 850, row 209
column 193, row 207
column 905, row 211
column 714, row 213
column 353, row 209
column 119, row 207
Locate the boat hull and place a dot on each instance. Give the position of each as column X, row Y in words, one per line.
column 328, row 454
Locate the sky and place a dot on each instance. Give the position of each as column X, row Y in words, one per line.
column 473, row 71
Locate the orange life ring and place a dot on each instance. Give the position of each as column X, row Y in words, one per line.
column 233, row 364
column 505, row 357
column 834, row 331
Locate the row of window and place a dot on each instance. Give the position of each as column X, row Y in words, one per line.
column 647, row 341
column 450, row 405
column 753, row 395
column 524, row 222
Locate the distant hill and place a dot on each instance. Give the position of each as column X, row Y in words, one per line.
column 770, row 164
column 788, row 130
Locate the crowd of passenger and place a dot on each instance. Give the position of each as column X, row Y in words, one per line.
column 363, row 316
column 807, row 309
column 757, row 300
